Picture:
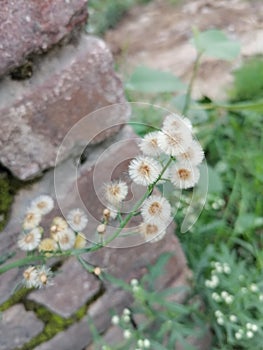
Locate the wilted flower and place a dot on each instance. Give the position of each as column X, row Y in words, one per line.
column 47, row 245
column 44, row 276
column 66, row 239
column 152, row 232
column 30, row 277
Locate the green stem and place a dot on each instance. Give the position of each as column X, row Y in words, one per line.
column 191, row 83
column 21, row 262
column 77, row 252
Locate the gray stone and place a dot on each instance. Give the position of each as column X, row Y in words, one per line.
column 73, row 287
column 68, row 85
column 28, row 27
column 17, row 327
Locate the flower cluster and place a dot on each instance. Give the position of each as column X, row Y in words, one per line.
column 124, row 321
column 170, row 154
column 63, row 235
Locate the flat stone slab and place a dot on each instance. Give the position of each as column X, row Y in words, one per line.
column 73, row 287
column 37, row 113
column 17, row 327
column 28, row 26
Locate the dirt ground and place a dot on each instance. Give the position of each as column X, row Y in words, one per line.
column 157, row 35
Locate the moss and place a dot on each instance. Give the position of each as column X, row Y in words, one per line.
column 53, row 322
column 18, row 296
column 6, row 199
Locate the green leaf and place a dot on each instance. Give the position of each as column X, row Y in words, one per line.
column 149, row 80
column 216, row 44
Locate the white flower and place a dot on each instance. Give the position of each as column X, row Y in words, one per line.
column 193, row 155
column 44, row 204
column 30, row 277
column 126, row 318
column 156, row 210
column 30, row 240
column 226, row 268
column 44, row 275
column 216, row 297
column 175, row 122
column 174, row 143
column 220, row 321
column 260, row 297
column 66, row 239
column 32, row 219
column 127, row 334
column 152, row 232
column 250, row 334
column 134, row 282
column 233, row 318
column 254, row 328
column 77, row 219
column 146, row 343
column 218, row 313
column 126, row 312
column 229, row 299
column 184, row 176
column 144, row 170
column 140, row 343
column 253, row 287
column 115, row 192
column 238, row 335
column 149, row 144
column 115, row 320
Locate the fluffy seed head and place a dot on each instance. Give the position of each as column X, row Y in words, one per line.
column 152, row 232
column 149, row 144
column 30, row 240
column 32, row 219
column 156, row 210
column 115, row 192
column 144, row 170
column 174, row 143
column 184, row 176
column 193, row 155
column 175, row 123
column 77, row 219
column 44, row 204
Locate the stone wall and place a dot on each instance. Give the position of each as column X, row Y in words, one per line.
column 52, row 76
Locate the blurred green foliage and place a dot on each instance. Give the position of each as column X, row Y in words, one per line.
column 248, row 81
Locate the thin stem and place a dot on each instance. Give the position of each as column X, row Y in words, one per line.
column 77, row 252
column 21, row 262
column 191, row 83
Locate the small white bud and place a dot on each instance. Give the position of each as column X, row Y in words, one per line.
column 126, row 318
column 238, row 336
column 146, row 343
column 254, row 328
column 253, row 287
column 115, row 320
column 220, row 321
column 127, row 334
column 134, row 282
column 126, row 312
column 250, row 334
column 233, row 318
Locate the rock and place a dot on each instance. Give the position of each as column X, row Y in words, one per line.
column 17, row 327
column 36, row 114
column 73, row 287
column 28, row 27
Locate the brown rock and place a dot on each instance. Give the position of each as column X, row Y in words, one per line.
column 28, row 26
column 36, row 114
column 73, row 287
column 17, row 327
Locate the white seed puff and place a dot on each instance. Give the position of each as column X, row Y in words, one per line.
column 184, row 176
column 156, row 210
column 144, row 170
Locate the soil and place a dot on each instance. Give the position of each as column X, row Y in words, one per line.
column 157, row 35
